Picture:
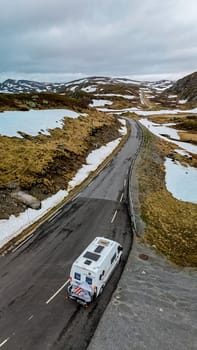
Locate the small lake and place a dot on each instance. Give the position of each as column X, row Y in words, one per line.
column 34, row 121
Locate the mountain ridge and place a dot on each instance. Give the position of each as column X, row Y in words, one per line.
column 28, row 86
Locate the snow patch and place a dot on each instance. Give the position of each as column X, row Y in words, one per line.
column 172, row 96
column 123, row 130
column 181, row 181
column 127, row 81
column 182, row 102
column 157, row 130
column 96, row 103
column 129, row 97
column 182, row 152
column 167, row 111
column 73, row 88
column 93, row 160
column 89, row 89
column 161, row 130
column 34, row 121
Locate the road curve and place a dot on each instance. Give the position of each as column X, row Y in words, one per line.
column 34, row 313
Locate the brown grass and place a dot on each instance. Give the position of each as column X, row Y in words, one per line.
column 44, row 164
column 44, row 100
column 121, row 103
column 188, row 137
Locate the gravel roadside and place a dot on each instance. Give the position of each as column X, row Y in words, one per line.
column 154, row 307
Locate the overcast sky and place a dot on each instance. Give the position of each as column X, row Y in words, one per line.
column 61, row 40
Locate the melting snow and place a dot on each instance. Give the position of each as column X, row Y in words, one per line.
column 182, row 152
column 161, row 130
column 182, row 101
column 129, row 97
column 181, row 181
column 33, row 121
column 158, row 130
column 172, row 96
column 123, row 129
column 118, row 111
column 166, row 111
column 127, row 81
column 92, row 162
column 96, row 103
column 73, row 88
column 89, row 89
column 142, row 112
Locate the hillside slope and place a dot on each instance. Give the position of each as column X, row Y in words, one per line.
column 186, row 88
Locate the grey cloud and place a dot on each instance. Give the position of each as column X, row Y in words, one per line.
column 98, row 37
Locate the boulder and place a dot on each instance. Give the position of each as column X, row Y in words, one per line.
column 27, row 199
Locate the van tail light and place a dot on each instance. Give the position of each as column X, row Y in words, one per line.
column 95, row 287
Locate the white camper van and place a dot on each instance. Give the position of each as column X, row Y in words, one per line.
column 92, row 269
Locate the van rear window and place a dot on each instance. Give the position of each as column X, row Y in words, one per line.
column 91, row 256
column 77, row 276
column 89, row 280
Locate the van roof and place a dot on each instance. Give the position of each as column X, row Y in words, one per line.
column 92, row 257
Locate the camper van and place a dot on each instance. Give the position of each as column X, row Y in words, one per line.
column 92, row 269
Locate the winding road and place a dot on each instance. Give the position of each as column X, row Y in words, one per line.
column 34, row 313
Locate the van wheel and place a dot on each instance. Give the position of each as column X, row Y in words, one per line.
column 120, row 259
column 101, row 290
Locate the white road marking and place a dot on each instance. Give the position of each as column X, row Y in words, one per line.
column 4, row 342
column 30, row 318
column 22, row 243
column 58, row 291
column 114, row 216
column 121, row 197
column 125, row 181
column 53, row 217
column 75, row 197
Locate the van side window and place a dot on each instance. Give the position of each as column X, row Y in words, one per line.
column 101, row 275
column 119, row 249
column 113, row 258
column 77, row 276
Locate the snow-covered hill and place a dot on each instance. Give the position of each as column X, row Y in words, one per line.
column 90, row 84
column 19, row 86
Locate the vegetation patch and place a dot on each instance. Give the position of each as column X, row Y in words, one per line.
column 170, row 224
column 25, row 101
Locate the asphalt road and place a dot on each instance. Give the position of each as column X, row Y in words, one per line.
column 34, row 313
